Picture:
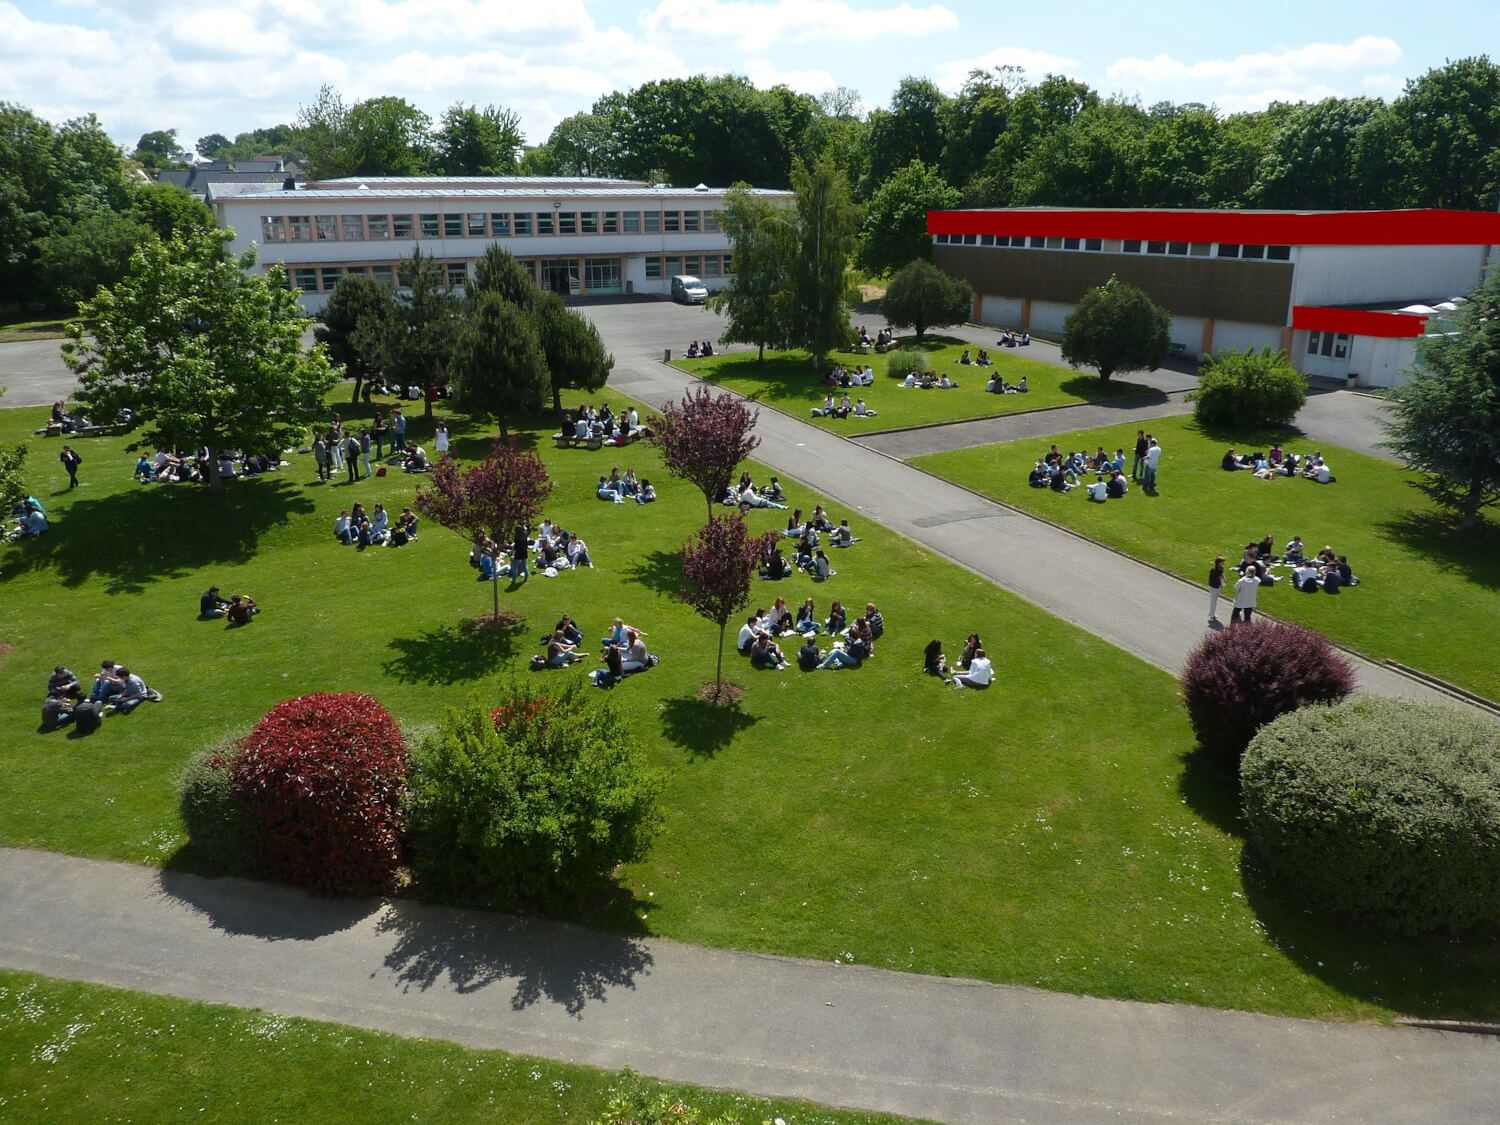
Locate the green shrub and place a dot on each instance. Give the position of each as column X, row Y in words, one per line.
column 1249, row 390
column 222, row 834
column 1241, row 678
column 531, row 803
column 1381, row 809
column 902, row 360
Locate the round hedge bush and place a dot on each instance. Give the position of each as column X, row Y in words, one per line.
column 222, row 834
column 324, row 776
column 1249, row 389
column 1242, row 677
column 1380, row 809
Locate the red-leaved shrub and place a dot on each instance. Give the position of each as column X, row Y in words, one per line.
column 1242, row 677
column 324, row 775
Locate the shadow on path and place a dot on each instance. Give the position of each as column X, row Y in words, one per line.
column 565, row 965
column 264, row 910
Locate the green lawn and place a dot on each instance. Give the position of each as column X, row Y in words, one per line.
column 79, row 1052
column 1428, row 597
column 49, row 328
column 786, row 381
column 1044, row 832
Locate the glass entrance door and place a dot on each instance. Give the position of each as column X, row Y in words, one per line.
column 560, row 275
column 601, row 276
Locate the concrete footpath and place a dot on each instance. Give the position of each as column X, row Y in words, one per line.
column 954, row 1050
column 1145, row 611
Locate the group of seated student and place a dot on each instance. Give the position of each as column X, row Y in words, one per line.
column 982, row 359
column 414, row 459
column 30, row 519
column 843, row 408
column 1061, row 473
column 586, row 423
column 563, row 645
column 806, row 532
column 882, row 340
column 853, row 644
column 974, row 668
column 617, row 488
column 624, row 652
column 807, row 558
column 745, row 495
column 696, row 350
column 1275, row 462
column 928, row 381
column 855, row 376
column 1009, row 339
column 998, row 386
column 115, row 687
column 238, row 610
column 1327, row 570
column 361, row 529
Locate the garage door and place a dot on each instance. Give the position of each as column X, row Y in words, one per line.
column 1002, row 312
column 1047, row 317
column 1234, row 336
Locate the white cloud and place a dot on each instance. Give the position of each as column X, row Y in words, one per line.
column 755, row 26
column 950, row 76
column 764, row 74
column 1252, row 81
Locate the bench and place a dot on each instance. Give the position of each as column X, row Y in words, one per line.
column 570, row 441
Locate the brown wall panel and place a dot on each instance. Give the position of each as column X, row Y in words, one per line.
column 1252, row 292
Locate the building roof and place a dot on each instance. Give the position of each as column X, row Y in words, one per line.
column 1279, row 228
column 309, row 195
column 480, row 181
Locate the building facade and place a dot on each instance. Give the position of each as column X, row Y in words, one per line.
column 1345, row 294
column 577, row 236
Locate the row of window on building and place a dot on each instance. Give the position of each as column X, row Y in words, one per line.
column 1123, row 246
column 1335, row 345
column 481, row 224
column 598, row 275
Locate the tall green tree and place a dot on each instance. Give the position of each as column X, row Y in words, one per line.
column 415, row 345
column 383, row 136
column 1116, row 327
column 819, row 296
column 575, row 354
column 1036, row 112
column 762, row 235
column 976, row 119
column 497, row 270
column 84, row 251
column 169, row 210
column 211, row 146
column 922, row 296
column 912, row 129
column 498, row 366
column 157, row 149
column 894, row 229
column 478, row 142
column 1446, row 417
column 1311, row 158
column 579, row 145
column 359, row 311
column 203, row 351
column 1450, row 118
column 1094, row 160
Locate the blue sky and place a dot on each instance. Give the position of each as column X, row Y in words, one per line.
column 230, row 65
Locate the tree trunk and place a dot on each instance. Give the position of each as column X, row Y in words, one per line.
column 354, row 398
column 719, row 671
column 1105, row 373
column 215, row 481
column 495, row 587
column 761, row 357
column 557, row 402
column 427, row 402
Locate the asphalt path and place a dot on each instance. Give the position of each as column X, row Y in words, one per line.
column 954, row 1050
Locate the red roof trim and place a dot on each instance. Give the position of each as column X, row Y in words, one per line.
column 1358, row 322
column 1338, row 228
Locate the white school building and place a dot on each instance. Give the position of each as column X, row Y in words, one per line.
column 580, row 237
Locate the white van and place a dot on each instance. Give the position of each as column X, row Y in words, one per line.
column 688, row 290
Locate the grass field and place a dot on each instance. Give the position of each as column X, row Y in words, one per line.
column 1044, row 832
column 786, row 381
column 1429, row 596
column 49, row 328
column 78, row 1052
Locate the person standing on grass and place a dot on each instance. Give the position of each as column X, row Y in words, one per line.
column 1215, row 587
column 70, row 461
column 442, row 439
column 351, row 457
column 1246, row 590
column 398, row 430
column 520, row 568
column 1141, row 445
column 364, row 450
column 320, row 457
column 1153, row 460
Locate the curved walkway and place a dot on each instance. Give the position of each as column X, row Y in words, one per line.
column 955, row 1050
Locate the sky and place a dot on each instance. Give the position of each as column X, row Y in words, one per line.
column 230, row 65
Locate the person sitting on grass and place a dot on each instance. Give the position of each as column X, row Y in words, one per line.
column 807, row 620
column 145, row 471
column 107, row 682
column 1117, row 486
column 1021, row 387
column 1098, row 492
column 838, row 620
column 606, row 491
column 380, row 524
column 910, row 380
column 809, row 656
column 874, row 622
column 842, row 536
column 933, row 662
column 751, row 629
column 211, row 605
column 980, row 673
column 242, row 608
column 561, row 652
column 692, row 352
column 1306, row 576
column 766, row 653
column 826, row 410
column 407, row 522
column 133, row 692
column 1039, row 477
column 416, row 460
column 820, row 520
column 647, row 492
column 773, row 491
column 982, row 359
column 578, row 552
column 612, row 672
column 847, row 654
column 971, row 646
column 31, row 520
column 822, row 570
column 635, row 658
column 946, row 383
column 1230, row 461
column 964, row 359
column 63, row 682
column 1275, row 455
column 1059, row 480
column 1294, row 550
column 57, row 711
column 776, row 568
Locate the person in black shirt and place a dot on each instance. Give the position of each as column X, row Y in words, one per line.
column 211, row 605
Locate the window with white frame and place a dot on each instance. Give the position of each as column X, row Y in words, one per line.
column 431, row 224
column 305, row 278
column 299, row 228
column 401, row 226
column 327, row 228
column 499, row 224
column 271, row 229
column 476, row 224
column 353, row 227
column 379, row 227
column 610, row 222
column 588, row 222
column 453, row 225
column 544, row 222
column 331, row 275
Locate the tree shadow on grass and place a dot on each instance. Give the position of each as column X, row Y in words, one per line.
column 703, row 729
column 659, row 571
column 1423, row 976
column 565, row 965
column 1473, row 553
column 263, row 910
column 1123, row 395
column 158, row 531
column 453, row 653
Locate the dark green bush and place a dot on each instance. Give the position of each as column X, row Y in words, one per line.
column 223, row 836
column 531, row 803
column 1381, row 809
column 1241, row 678
column 1248, row 390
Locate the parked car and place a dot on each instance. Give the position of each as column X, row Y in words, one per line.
column 688, row 290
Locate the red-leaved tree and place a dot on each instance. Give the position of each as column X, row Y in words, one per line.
column 507, row 488
column 718, row 564
column 704, row 438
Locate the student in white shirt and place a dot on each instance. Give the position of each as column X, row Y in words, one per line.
column 981, row 672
